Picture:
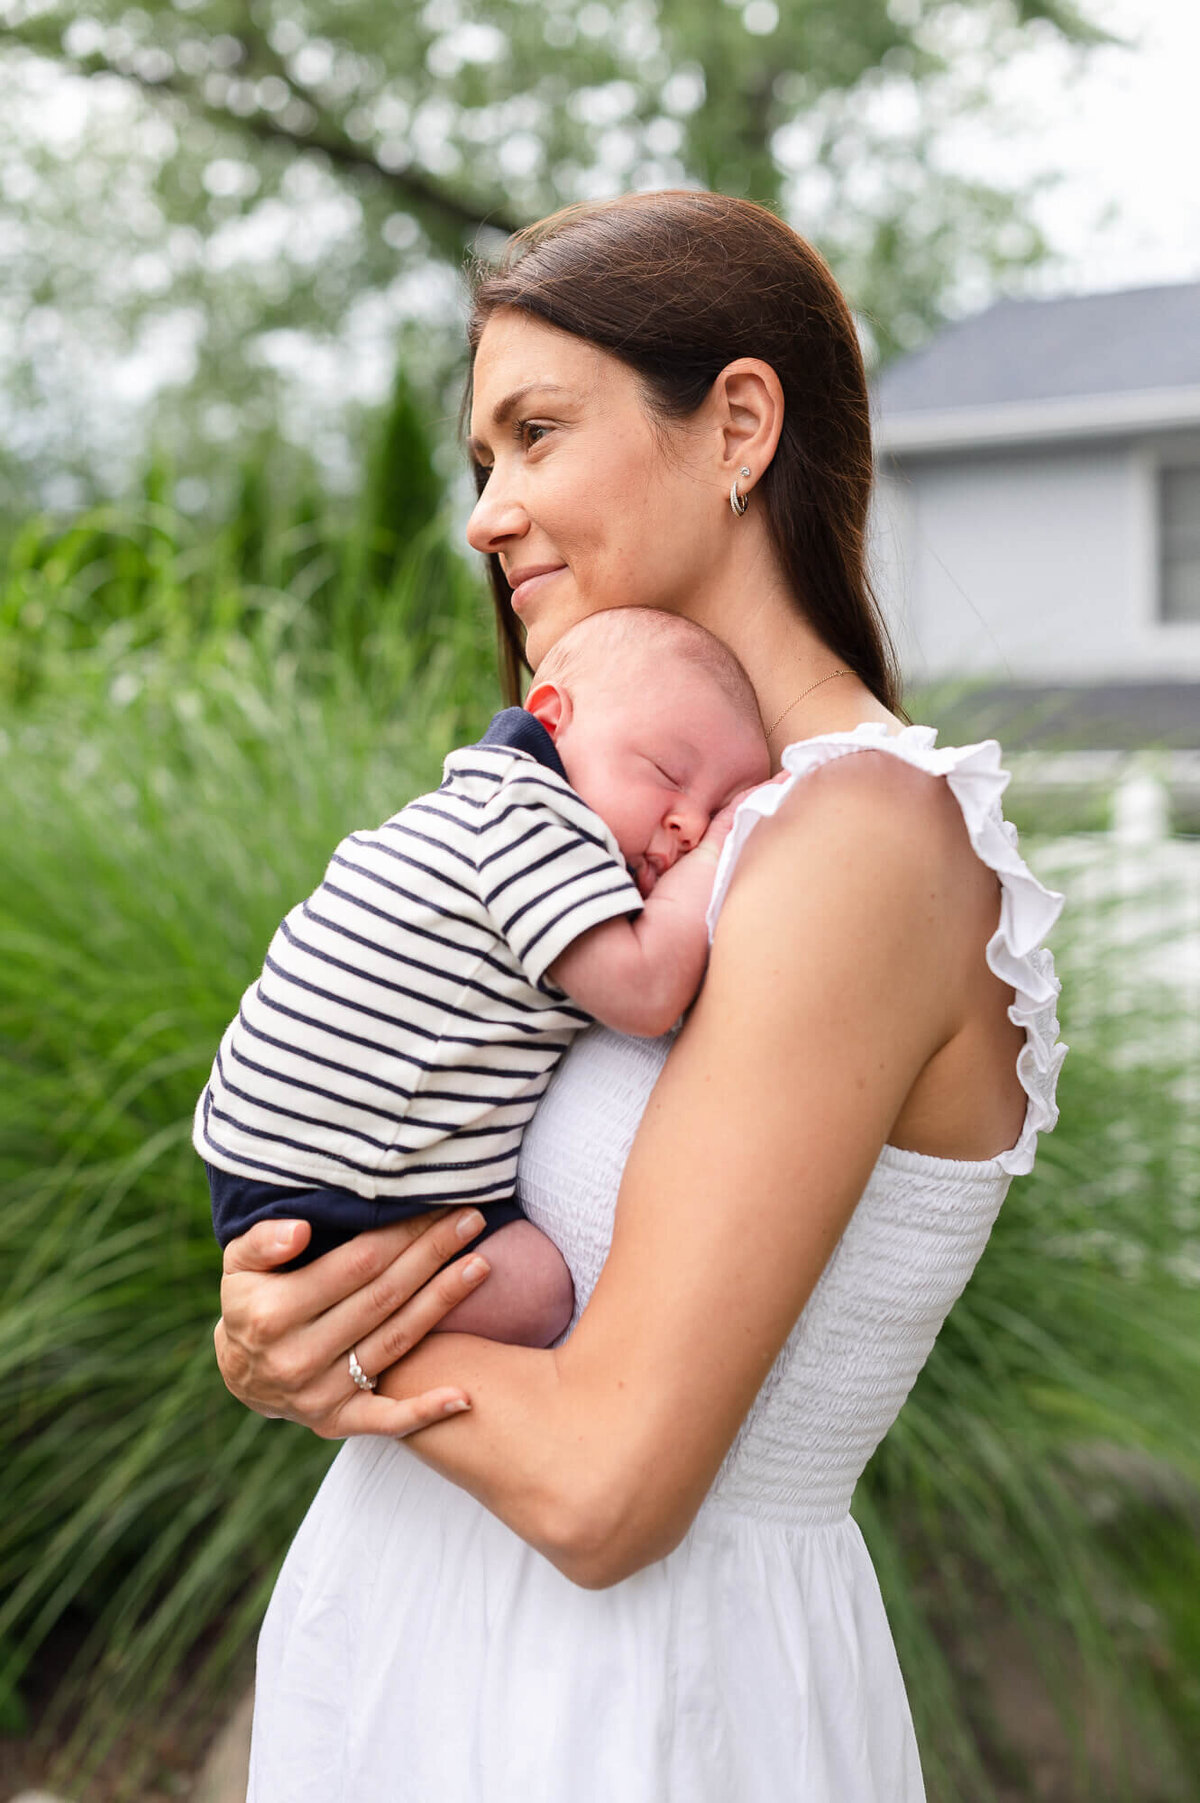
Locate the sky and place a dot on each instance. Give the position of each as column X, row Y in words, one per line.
column 1122, row 132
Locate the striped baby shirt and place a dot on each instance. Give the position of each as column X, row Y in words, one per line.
column 403, row 1026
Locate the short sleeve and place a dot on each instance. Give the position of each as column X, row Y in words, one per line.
column 549, row 869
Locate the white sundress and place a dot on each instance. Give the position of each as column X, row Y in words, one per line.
column 417, row 1651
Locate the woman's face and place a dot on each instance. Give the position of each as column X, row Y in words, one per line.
column 583, row 495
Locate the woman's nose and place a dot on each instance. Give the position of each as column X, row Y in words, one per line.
column 496, row 520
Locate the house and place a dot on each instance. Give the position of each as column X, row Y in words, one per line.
column 1037, row 522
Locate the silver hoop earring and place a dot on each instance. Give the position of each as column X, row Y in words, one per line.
column 737, row 501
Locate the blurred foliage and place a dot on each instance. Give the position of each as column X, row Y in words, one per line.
column 183, row 737
column 159, row 815
column 240, row 205
column 373, row 592
column 1045, row 1472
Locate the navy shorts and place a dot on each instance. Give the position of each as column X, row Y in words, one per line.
column 336, row 1215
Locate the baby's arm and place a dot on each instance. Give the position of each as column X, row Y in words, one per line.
column 638, row 976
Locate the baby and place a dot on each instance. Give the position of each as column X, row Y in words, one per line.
column 410, row 1012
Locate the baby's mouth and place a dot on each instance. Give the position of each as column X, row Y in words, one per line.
column 646, row 873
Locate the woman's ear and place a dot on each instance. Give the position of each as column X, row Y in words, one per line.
column 748, row 396
column 549, row 704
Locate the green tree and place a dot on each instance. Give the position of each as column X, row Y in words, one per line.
column 267, row 177
column 403, row 491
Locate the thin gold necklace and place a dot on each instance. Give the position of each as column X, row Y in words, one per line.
column 800, row 697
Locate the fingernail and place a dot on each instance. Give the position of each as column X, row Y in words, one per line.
column 281, row 1238
column 455, row 1408
column 474, row 1269
column 470, row 1224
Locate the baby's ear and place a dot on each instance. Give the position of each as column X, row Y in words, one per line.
column 549, row 704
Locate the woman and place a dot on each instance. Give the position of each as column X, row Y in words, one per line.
column 641, row 1582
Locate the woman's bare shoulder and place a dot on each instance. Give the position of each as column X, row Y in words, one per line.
column 870, row 770
column 873, row 808
column 865, row 880
column 870, row 854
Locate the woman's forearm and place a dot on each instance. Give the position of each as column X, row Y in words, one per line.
column 527, row 1448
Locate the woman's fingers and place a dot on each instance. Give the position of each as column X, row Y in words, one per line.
column 334, row 1276
column 258, row 1313
column 332, row 1406
column 283, row 1340
column 380, row 1350
column 411, row 1295
column 267, row 1345
column 268, row 1244
column 366, row 1414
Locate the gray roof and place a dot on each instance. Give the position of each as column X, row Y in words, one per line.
column 1132, row 341
column 1128, row 716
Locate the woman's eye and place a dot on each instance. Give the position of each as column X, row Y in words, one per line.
column 525, row 427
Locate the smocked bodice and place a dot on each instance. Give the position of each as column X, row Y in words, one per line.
column 918, row 1230
column 852, row 1357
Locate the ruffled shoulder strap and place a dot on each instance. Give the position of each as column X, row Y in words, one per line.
column 1028, row 909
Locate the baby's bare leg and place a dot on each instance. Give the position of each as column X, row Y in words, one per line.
column 527, row 1298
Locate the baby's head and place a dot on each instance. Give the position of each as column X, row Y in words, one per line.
column 657, row 727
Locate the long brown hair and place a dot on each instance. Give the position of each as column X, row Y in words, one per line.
column 677, row 284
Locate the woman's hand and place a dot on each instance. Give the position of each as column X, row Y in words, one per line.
column 284, row 1339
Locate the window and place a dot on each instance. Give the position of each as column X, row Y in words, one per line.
column 1179, row 543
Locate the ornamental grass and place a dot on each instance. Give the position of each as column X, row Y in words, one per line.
column 172, row 779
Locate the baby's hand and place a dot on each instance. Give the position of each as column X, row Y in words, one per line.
column 722, row 820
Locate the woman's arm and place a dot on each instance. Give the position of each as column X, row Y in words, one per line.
column 826, row 995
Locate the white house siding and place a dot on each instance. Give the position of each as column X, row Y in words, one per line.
column 1029, row 564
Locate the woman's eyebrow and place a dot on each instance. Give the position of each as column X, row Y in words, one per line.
column 504, row 408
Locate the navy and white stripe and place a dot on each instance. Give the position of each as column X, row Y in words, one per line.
column 403, row 1027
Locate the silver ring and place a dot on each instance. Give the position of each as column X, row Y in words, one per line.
column 361, row 1380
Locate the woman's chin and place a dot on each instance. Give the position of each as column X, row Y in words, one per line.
column 545, row 626
column 541, row 639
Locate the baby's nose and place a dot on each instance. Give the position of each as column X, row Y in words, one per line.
column 687, row 827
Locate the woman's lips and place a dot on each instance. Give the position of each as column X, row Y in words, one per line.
column 530, row 586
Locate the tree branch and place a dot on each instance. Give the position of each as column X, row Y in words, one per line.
column 418, row 191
